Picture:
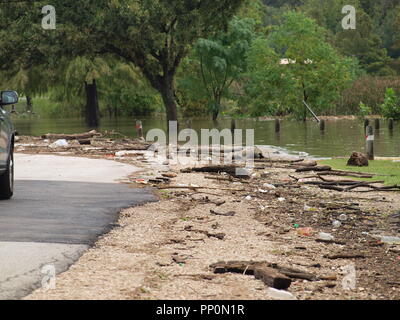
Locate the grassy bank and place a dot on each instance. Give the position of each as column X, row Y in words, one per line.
column 386, row 170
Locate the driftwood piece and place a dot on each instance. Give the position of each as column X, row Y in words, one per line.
column 249, row 267
column 219, row 236
column 195, row 188
column 228, row 214
column 305, row 163
column 283, row 161
column 85, row 142
column 346, row 174
column 261, row 271
column 345, row 256
column 78, row 136
column 335, row 188
column 316, row 169
column 229, row 169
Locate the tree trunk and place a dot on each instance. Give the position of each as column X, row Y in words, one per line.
column 168, row 96
column 92, row 113
column 305, row 97
column 29, row 105
column 217, row 107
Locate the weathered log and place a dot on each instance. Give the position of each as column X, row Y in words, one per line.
column 249, row 267
column 261, row 271
column 77, row 136
column 346, row 174
column 228, row 214
column 332, row 188
column 317, row 169
column 345, row 256
column 85, row 141
column 305, row 163
column 232, row 170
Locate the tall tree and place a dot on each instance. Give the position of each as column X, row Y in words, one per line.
column 221, row 60
column 155, row 35
column 293, row 64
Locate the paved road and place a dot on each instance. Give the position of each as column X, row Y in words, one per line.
column 61, row 205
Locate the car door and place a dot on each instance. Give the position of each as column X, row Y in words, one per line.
column 5, row 132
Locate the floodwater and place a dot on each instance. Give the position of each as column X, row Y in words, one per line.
column 340, row 138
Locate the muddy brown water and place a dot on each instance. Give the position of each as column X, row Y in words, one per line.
column 340, row 138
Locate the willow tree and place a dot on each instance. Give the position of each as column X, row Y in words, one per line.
column 155, row 35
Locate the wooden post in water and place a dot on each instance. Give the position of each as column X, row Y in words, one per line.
column 139, row 129
column 233, row 128
column 377, row 124
column 322, row 125
column 391, row 124
column 366, row 124
column 277, row 125
column 370, row 143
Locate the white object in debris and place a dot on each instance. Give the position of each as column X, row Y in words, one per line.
column 325, row 236
column 248, row 198
column 336, row 224
column 280, row 294
column 281, row 199
column 62, row 143
column 343, row 217
column 390, row 240
column 120, row 154
column 269, row 186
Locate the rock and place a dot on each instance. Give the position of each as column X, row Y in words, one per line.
column 358, row 159
column 307, row 163
column 280, row 294
column 62, row 143
column 269, row 186
column 325, row 236
column 169, row 175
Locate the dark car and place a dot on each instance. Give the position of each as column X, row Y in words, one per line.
column 7, row 134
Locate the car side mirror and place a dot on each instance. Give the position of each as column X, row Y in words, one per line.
column 8, row 97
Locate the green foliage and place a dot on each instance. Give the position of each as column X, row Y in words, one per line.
column 124, row 92
column 217, row 63
column 293, row 64
column 368, row 89
column 364, row 110
column 373, row 37
column 391, row 106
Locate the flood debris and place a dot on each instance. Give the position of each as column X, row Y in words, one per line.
column 272, row 274
column 295, row 217
column 77, row 136
column 269, row 276
column 358, row 159
column 229, row 169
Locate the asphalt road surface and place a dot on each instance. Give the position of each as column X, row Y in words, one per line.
column 61, row 205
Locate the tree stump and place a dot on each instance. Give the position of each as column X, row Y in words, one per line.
column 358, row 159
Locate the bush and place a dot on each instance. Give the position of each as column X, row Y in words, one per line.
column 390, row 108
column 364, row 110
column 370, row 90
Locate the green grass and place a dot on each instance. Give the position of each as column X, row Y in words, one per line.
column 386, row 170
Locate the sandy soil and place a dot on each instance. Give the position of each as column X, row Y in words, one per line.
column 164, row 250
